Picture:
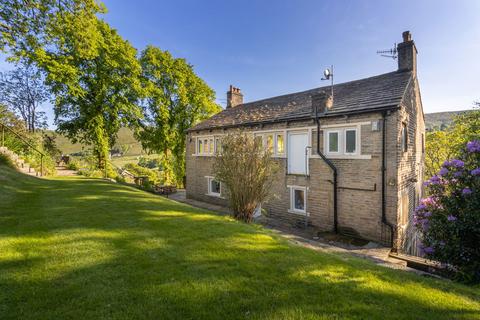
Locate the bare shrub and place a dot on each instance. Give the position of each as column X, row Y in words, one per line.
column 247, row 171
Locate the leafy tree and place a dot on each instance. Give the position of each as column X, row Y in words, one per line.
column 29, row 27
column 450, row 143
column 90, row 69
column 437, row 149
column 9, row 118
column 103, row 95
column 449, row 219
column 22, row 90
column 247, row 171
column 175, row 99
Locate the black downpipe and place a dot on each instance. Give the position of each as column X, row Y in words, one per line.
column 384, row 173
column 334, row 169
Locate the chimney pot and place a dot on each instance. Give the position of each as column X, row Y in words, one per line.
column 407, row 36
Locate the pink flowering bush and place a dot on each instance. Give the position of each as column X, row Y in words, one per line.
column 449, row 219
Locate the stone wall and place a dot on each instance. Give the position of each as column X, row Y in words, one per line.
column 410, row 165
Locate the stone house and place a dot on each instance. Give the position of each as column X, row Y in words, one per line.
column 350, row 163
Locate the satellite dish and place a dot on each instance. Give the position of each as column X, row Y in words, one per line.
column 327, row 73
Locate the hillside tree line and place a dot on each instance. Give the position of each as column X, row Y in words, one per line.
column 98, row 82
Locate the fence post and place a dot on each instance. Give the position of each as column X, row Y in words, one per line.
column 41, row 165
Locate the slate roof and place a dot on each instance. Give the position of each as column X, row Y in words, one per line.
column 364, row 95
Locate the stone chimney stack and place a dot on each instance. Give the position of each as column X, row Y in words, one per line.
column 234, row 97
column 321, row 102
column 407, row 53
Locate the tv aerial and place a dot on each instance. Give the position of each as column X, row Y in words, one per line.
column 390, row 53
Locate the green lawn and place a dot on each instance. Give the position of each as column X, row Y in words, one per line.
column 77, row 248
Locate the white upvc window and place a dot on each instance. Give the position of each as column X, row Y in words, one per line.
column 206, row 146
column 273, row 142
column 342, row 141
column 214, row 187
column 218, row 145
column 298, row 199
column 269, row 143
column 333, row 141
column 279, row 144
column 350, row 141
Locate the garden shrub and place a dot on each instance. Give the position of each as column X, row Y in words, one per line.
column 15, row 144
column 87, row 166
column 6, row 161
column 247, row 171
column 73, row 164
column 449, row 219
column 135, row 169
column 150, row 163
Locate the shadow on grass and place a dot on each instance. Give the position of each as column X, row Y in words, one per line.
column 83, row 248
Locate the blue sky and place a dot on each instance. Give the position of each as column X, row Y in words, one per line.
column 269, row 48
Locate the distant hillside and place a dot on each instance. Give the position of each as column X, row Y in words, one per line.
column 440, row 120
column 125, row 140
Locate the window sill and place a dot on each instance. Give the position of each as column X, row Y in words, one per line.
column 215, row 195
column 301, row 213
column 345, row 157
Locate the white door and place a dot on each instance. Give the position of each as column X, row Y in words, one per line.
column 297, row 144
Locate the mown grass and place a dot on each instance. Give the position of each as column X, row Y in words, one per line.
column 77, row 248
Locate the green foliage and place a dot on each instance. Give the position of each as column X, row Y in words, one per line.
column 6, row 161
column 91, row 70
column 247, row 172
column 449, row 143
column 102, row 97
column 449, row 219
column 150, row 163
column 25, row 146
column 87, row 165
column 50, row 145
column 175, row 99
column 135, row 169
column 8, row 118
column 73, row 164
column 29, row 28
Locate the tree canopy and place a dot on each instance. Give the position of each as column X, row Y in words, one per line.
column 175, row 99
column 103, row 94
column 28, row 27
column 446, row 144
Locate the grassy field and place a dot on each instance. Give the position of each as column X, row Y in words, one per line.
column 125, row 137
column 77, row 248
